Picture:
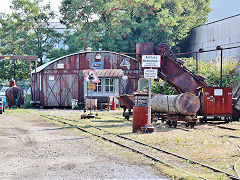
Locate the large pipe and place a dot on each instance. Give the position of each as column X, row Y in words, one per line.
column 185, row 104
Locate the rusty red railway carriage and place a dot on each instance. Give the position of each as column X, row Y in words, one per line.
column 59, row 81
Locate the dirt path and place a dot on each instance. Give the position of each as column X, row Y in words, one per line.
column 31, row 148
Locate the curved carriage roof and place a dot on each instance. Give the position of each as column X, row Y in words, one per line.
column 40, row 68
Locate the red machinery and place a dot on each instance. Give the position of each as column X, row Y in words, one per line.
column 215, row 102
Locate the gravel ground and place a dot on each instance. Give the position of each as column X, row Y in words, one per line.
column 31, row 148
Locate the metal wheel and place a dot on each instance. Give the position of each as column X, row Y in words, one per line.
column 228, row 119
column 174, row 124
column 202, row 120
column 192, row 124
column 169, row 123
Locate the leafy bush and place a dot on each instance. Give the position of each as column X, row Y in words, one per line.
column 27, row 100
column 210, row 70
column 159, row 87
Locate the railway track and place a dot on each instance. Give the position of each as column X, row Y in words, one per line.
column 236, row 145
column 162, row 156
column 227, row 128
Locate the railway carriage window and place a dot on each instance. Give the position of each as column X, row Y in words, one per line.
column 98, row 86
column 109, row 83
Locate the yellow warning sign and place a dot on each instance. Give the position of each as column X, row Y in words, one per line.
column 6, row 57
column 91, row 86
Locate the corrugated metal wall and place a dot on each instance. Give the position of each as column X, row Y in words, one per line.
column 224, row 33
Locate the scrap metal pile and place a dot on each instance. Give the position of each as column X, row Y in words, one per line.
column 195, row 96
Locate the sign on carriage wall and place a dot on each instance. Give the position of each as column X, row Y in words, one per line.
column 97, row 65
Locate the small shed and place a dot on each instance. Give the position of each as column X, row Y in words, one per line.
column 57, row 82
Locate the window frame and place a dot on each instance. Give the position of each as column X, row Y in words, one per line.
column 99, row 85
column 109, row 85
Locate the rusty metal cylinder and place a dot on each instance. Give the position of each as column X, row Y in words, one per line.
column 185, row 104
column 140, row 117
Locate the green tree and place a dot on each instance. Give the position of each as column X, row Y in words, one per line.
column 26, row 31
column 118, row 25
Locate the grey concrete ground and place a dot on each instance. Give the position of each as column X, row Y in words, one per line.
column 31, row 148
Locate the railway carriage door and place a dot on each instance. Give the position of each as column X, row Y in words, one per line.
column 60, row 89
column 69, row 88
column 51, row 89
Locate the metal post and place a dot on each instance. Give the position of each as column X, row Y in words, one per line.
column 149, row 102
column 30, row 69
column 221, row 49
column 35, row 81
column 221, row 68
column 91, row 103
column 196, row 63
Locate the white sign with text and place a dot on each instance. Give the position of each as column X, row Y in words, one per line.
column 151, row 73
column 151, row 61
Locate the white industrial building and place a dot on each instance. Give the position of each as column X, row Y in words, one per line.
column 222, row 30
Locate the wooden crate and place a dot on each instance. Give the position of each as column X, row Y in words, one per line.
column 90, row 102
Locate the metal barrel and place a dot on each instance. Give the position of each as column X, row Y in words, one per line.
column 140, row 117
column 185, row 104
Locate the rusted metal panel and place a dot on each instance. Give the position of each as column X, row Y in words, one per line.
column 41, row 90
column 175, row 74
column 68, row 63
column 127, row 100
column 51, row 89
column 59, row 89
column 140, row 118
column 143, row 48
column 107, row 64
column 81, row 90
column 35, row 87
column 69, row 88
column 62, row 79
column 216, row 101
